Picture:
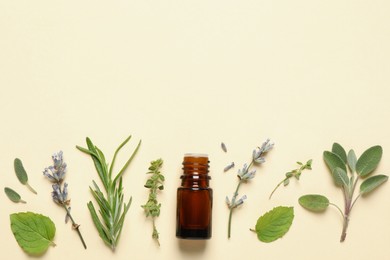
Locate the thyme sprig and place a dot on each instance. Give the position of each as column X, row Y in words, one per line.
column 56, row 174
column 244, row 175
column 154, row 183
column 112, row 209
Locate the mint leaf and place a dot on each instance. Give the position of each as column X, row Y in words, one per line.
column 274, row 224
column 33, row 232
column 369, row 160
column 314, row 202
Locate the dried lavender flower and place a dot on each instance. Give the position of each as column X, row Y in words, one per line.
column 223, row 146
column 228, row 167
column 56, row 174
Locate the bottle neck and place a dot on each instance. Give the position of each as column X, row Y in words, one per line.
column 195, row 171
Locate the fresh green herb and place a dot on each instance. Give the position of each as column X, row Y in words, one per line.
column 56, row 174
column 294, row 173
column 33, row 232
column 274, row 224
column 22, row 174
column 154, row 183
column 13, row 195
column 245, row 175
column 112, row 218
column 338, row 162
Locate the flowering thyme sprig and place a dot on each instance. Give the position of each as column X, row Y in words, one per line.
column 56, row 174
column 244, row 175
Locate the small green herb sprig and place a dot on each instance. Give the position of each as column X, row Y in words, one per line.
column 154, row 183
column 294, row 173
column 338, row 163
column 244, row 175
column 112, row 208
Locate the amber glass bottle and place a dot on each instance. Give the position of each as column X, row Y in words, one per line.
column 194, row 199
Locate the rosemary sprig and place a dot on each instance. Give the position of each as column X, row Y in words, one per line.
column 154, row 183
column 294, row 173
column 112, row 209
column 56, row 174
column 245, row 175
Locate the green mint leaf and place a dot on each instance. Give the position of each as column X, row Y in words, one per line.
column 352, row 160
column 33, row 232
column 332, row 160
column 13, row 195
column 274, row 224
column 340, row 177
column 372, row 183
column 314, row 202
column 369, row 160
column 339, row 150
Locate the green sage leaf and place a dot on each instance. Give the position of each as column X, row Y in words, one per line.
column 20, row 171
column 13, row 195
column 372, row 183
column 274, row 224
column 369, row 160
column 314, row 202
column 333, row 161
column 340, row 177
column 352, row 160
column 33, row 232
column 339, row 150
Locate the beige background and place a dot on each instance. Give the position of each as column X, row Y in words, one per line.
column 184, row 76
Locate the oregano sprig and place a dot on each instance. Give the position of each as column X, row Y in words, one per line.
column 245, row 175
column 347, row 171
column 294, row 173
column 154, row 184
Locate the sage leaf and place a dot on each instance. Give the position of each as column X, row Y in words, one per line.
column 339, row 150
column 352, row 160
column 314, row 202
column 372, row 183
column 13, row 195
column 369, row 160
column 33, row 232
column 274, row 224
column 333, row 161
column 340, row 177
column 22, row 174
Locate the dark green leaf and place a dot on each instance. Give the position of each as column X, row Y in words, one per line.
column 33, row 232
column 13, row 195
column 339, row 150
column 20, row 171
column 332, row 160
column 369, row 160
column 372, row 183
column 274, row 224
column 352, row 160
column 340, row 177
column 314, row 202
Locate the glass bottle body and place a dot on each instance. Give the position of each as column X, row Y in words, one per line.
column 194, row 199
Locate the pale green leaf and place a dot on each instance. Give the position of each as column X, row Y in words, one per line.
column 333, row 161
column 13, row 195
column 20, row 171
column 274, row 224
column 352, row 160
column 369, row 160
column 340, row 177
column 33, row 232
column 314, row 202
column 372, row 183
column 339, row 150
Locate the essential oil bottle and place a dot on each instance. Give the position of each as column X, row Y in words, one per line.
column 194, row 199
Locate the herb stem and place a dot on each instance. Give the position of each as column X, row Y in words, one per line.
column 277, row 186
column 31, row 188
column 75, row 226
column 334, row 205
column 233, row 202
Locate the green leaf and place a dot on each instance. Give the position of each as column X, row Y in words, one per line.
column 22, row 174
column 333, row 161
column 372, row 183
column 339, row 150
column 13, row 195
column 352, row 160
column 340, row 177
column 274, row 224
column 369, row 160
column 33, row 232
column 314, row 202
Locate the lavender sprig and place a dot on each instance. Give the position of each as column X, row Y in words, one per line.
column 244, row 175
column 56, row 174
